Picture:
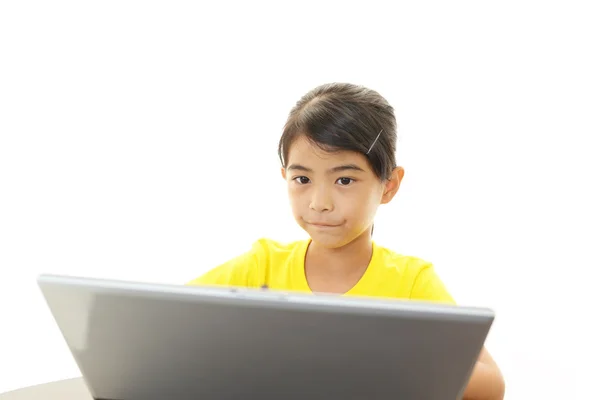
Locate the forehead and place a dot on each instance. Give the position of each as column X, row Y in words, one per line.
column 303, row 151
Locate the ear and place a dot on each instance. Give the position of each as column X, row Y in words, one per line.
column 392, row 185
column 283, row 173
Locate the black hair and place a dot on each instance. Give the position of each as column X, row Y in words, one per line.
column 343, row 116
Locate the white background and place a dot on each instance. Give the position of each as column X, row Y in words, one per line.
column 138, row 141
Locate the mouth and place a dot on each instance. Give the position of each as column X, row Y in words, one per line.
column 324, row 225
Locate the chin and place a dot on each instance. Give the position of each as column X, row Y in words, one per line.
column 327, row 240
column 328, row 244
column 331, row 241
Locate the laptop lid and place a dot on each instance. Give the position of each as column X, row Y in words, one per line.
column 139, row 341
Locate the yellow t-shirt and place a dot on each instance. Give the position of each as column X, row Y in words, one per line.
column 281, row 267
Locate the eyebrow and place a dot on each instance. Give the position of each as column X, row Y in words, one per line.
column 339, row 168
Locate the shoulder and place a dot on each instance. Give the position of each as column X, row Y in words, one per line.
column 250, row 267
column 416, row 278
column 400, row 263
column 266, row 244
column 268, row 250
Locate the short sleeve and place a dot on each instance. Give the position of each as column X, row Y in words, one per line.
column 240, row 271
column 429, row 287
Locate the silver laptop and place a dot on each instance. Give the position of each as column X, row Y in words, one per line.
column 136, row 341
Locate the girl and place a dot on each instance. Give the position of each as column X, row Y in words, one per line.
column 338, row 159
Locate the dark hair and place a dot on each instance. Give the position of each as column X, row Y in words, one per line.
column 343, row 116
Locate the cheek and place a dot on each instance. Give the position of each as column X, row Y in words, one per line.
column 362, row 206
column 295, row 198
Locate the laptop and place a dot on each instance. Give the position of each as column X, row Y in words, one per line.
column 140, row 341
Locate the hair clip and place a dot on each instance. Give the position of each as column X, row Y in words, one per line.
column 374, row 141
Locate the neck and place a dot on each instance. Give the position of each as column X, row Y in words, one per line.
column 348, row 259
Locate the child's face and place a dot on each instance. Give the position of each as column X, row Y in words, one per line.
column 334, row 196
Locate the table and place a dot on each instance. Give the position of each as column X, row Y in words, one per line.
column 69, row 389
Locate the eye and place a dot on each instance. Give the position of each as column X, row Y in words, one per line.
column 303, row 180
column 345, row 181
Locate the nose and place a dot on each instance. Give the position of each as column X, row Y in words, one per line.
column 321, row 200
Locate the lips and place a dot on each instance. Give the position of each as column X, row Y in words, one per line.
column 324, row 225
